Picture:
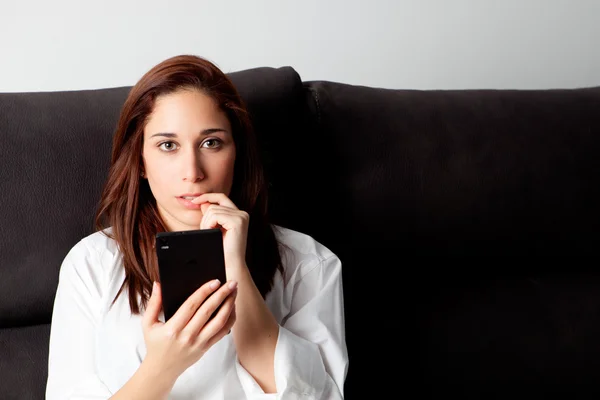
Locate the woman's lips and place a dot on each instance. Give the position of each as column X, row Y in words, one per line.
column 187, row 203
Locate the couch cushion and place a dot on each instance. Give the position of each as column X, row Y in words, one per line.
column 24, row 362
column 536, row 336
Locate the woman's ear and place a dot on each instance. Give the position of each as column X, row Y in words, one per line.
column 142, row 167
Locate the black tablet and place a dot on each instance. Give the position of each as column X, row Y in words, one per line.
column 186, row 261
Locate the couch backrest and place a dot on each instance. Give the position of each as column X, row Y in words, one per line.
column 56, row 149
column 474, row 172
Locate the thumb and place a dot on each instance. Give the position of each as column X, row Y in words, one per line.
column 204, row 224
column 204, row 207
column 153, row 307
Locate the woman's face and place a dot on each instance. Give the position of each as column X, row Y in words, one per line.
column 188, row 150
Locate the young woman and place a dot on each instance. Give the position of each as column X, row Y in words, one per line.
column 185, row 157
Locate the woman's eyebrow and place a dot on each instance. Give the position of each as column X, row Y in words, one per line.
column 205, row 132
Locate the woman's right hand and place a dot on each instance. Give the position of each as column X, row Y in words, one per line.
column 178, row 343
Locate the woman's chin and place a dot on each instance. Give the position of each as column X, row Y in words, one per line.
column 180, row 220
column 188, row 223
column 192, row 225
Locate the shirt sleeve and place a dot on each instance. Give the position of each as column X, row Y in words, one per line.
column 71, row 370
column 311, row 359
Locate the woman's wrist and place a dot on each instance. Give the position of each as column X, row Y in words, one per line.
column 237, row 270
column 148, row 383
column 149, row 375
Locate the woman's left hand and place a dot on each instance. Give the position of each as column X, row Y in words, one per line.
column 218, row 211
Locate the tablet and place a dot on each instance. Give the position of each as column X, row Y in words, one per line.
column 186, row 261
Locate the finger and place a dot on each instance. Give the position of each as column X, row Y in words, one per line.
column 215, row 198
column 212, row 219
column 153, row 307
column 231, row 320
column 220, row 325
column 208, row 221
column 207, row 208
column 204, row 207
column 187, row 310
column 225, row 298
column 223, row 331
column 226, row 218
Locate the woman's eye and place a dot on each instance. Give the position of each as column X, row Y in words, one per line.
column 167, row 146
column 211, row 143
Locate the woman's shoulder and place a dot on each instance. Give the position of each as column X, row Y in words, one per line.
column 95, row 254
column 301, row 243
column 98, row 242
column 301, row 252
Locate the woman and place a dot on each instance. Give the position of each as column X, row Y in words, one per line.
column 185, row 157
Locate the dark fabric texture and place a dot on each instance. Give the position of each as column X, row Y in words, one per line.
column 24, row 362
column 534, row 337
column 55, row 155
column 459, row 217
column 468, row 220
column 433, row 173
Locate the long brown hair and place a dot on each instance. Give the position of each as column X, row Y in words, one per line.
column 127, row 205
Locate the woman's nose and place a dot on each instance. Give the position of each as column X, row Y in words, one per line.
column 192, row 171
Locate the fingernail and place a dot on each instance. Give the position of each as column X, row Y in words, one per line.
column 232, row 285
column 215, row 284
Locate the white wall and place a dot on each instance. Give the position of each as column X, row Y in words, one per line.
column 419, row 44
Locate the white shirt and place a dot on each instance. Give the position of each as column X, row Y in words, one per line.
column 96, row 346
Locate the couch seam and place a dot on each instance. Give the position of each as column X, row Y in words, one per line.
column 315, row 96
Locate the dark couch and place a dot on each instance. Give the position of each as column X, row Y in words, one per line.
column 467, row 224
